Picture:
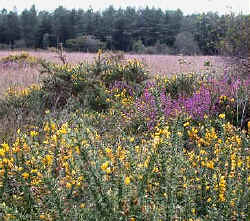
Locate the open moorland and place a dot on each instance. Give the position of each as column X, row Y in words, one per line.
column 123, row 137
column 13, row 75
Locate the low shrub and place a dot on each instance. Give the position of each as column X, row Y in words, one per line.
column 22, row 58
column 88, row 82
column 94, row 142
column 69, row 170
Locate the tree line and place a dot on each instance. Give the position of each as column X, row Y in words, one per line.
column 145, row 30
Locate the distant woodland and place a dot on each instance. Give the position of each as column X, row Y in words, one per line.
column 146, row 30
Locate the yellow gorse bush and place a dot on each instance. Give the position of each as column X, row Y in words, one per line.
column 70, row 157
column 21, row 92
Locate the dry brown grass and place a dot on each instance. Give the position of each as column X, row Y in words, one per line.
column 17, row 77
column 162, row 64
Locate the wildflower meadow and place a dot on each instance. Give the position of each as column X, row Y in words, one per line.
column 109, row 140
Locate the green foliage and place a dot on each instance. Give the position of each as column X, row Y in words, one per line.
column 29, row 23
column 133, row 72
column 66, row 81
column 4, row 46
column 85, row 43
column 11, row 28
column 159, row 49
column 138, row 47
column 180, row 84
column 88, row 82
column 101, row 173
column 237, row 109
column 186, row 45
column 146, row 30
column 236, row 38
column 19, row 108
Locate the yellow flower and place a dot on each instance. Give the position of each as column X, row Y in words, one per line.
column 108, row 170
column 232, row 203
column 186, row 124
column 137, row 149
column 222, row 116
column 105, row 165
column 210, row 164
column 49, row 159
column 2, row 152
column 132, row 139
column 68, row 185
column 77, row 149
column 127, row 180
column 33, row 133
column 42, row 216
column 6, row 147
column 84, row 142
column 25, row 175
column 2, row 172
column 26, row 147
column 82, row 205
column 222, row 197
column 179, row 134
column 240, row 162
column 108, row 150
column 34, row 171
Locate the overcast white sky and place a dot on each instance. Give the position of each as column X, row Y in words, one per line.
column 187, row 6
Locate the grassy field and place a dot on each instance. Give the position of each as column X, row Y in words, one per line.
column 135, row 137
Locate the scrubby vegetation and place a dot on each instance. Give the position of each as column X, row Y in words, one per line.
column 107, row 141
column 22, row 58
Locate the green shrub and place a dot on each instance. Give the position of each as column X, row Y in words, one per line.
column 21, row 107
column 133, row 72
column 180, row 84
column 4, row 46
column 66, row 81
column 185, row 44
column 88, row 82
column 138, row 47
column 101, row 174
column 85, row 43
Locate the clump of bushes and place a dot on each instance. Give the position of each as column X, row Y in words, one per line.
column 83, row 85
column 4, row 46
column 22, row 58
column 88, row 82
column 185, row 44
column 159, row 48
column 86, row 43
column 101, row 174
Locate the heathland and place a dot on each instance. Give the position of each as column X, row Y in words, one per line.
column 123, row 137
